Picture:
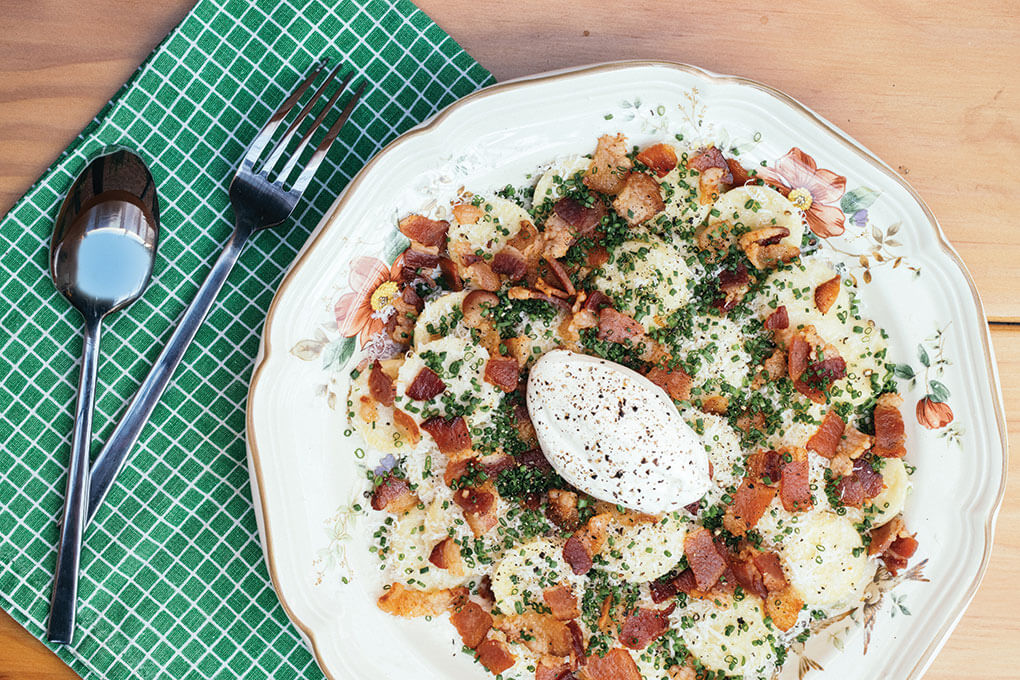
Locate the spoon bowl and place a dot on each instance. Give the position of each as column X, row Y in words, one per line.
column 101, row 259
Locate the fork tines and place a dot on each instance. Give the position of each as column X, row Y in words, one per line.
column 269, row 167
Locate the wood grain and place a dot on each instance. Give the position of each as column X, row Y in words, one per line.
column 929, row 87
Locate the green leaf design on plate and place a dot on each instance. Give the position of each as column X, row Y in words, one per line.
column 858, row 199
column 939, row 392
column 903, row 371
column 398, row 243
column 336, row 353
column 922, row 356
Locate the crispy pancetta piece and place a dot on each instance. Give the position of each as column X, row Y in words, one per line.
column 783, row 607
column 562, row 602
column 889, row 433
column 502, row 372
column 826, row 440
column 426, row 385
column 472, row 622
column 510, row 262
column 399, row 600
column 733, row 285
column 618, row 327
column 610, row 166
column 644, row 625
column 451, row 436
column 394, row 495
column 778, row 319
column 794, row 486
column 660, row 159
column 639, row 200
column 707, row 563
column 893, row 544
column 468, row 213
column 562, row 509
column 446, row 555
column 674, row 380
column 541, row 633
column 427, row 232
column 826, row 293
column 495, row 656
column 586, row 542
column 764, row 247
column 380, row 385
column 479, row 509
column 750, row 502
column 617, row 664
column 714, row 173
column 406, row 426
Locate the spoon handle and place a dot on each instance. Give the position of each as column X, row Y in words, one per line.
column 64, row 600
column 117, row 448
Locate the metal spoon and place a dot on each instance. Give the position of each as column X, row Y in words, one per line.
column 101, row 257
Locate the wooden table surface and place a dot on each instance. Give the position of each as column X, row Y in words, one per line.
column 930, row 87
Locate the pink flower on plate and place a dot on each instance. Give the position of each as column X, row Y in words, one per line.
column 363, row 312
column 816, row 192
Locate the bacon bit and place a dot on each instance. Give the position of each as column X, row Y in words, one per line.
column 605, row 615
column 778, row 319
column 739, row 173
column 617, row 327
column 883, row 536
column 763, row 247
column 771, row 571
column 708, row 157
column 367, row 409
column 547, row 671
column 562, row 602
column 826, row 294
column 596, row 301
column 794, row 487
column 854, row 443
column 733, row 285
column 423, row 230
column 643, row 626
column 889, row 434
column 872, row 482
column 775, row 365
column 617, row 664
column 450, row 274
column 455, row 469
column 609, row 166
column 716, row 404
column 476, row 306
column 639, row 200
column 562, row 277
column 479, row 509
column 406, row 426
column 495, row 656
column 468, row 213
column 540, row 633
column 400, row 600
column 826, row 440
column 394, row 495
column 581, row 218
column 446, row 555
column 380, row 385
column 747, row 574
column 503, row 373
column 414, row 261
column 784, row 607
column 451, row 436
column 750, row 502
column 660, row 159
column 899, row 553
column 674, row 380
column 714, row 173
column 765, row 467
column 662, row 589
column 426, row 385
column 850, row 491
column 685, row 582
column 585, row 543
column 706, row 562
column 577, row 650
column 485, row 589
column 596, row 257
column 536, row 459
column 472, row 622
column 511, row 263
column 562, row 509
column 412, row 299
column 810, row 377
column 481, row 276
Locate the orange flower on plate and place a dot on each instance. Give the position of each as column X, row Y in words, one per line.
column 816, row 192
column 362, row 312
column 933, row 414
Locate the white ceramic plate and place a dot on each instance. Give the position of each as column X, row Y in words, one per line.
column 307, row 476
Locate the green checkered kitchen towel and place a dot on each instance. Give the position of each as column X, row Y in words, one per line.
column 173, row 582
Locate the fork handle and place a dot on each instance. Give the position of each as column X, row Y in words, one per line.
column 115, row 452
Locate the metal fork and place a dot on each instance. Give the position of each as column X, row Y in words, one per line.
column 260, row 197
